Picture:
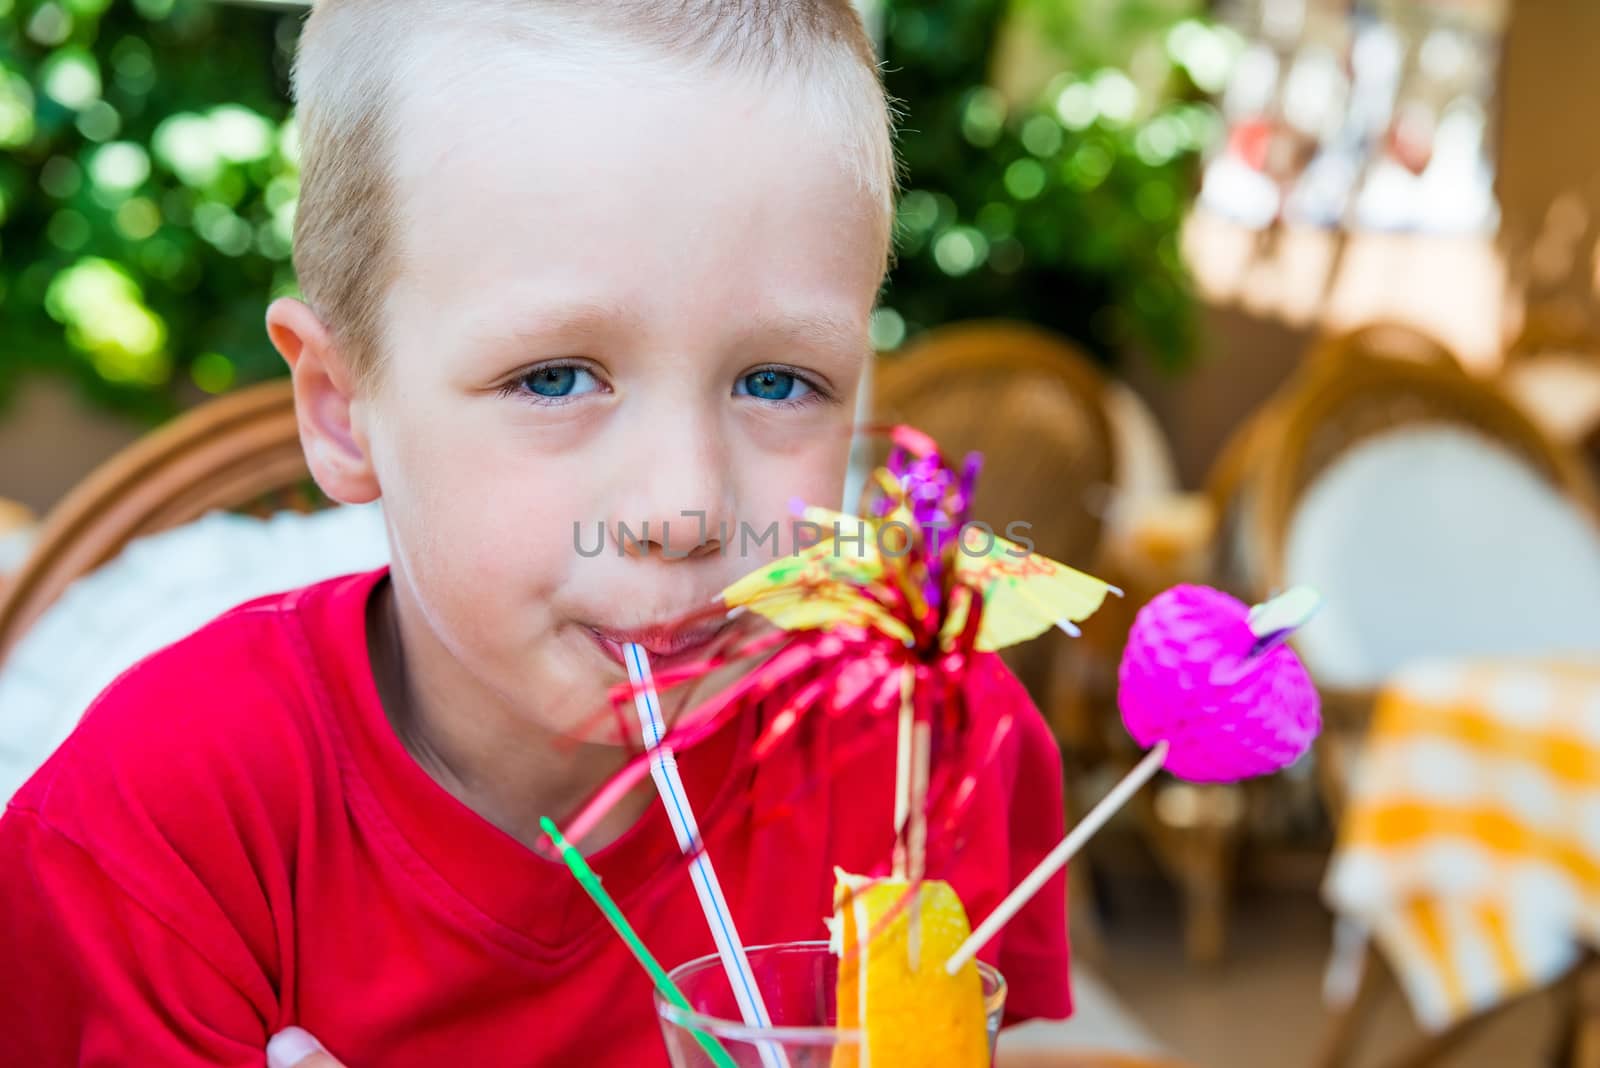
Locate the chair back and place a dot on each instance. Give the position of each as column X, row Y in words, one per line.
column 1385, row 339
column 1035, row 407
column 1436, row 518
column 151, row 546
column 240, row 452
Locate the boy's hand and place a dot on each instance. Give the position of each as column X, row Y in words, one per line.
column 295, row 1048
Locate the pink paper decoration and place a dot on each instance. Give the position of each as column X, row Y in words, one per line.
column 1195, row 675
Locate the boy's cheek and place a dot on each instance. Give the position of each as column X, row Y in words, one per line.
column 483, row 538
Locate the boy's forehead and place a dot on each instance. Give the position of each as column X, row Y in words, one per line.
column 525, row 160
column 589, row 104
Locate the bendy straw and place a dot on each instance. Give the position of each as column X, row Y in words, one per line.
column 664, row 984
column 664, row 770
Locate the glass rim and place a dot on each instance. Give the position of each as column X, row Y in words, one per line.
column 806, row 1034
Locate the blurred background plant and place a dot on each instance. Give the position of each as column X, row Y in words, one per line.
column 147, row 191
column 1051, row 150
column 148, row 180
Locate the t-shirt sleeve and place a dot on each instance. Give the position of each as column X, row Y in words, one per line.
column 92, row 978
column 140, row 867
column 1034, row 955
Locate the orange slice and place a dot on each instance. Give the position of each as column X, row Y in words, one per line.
column 893, row 986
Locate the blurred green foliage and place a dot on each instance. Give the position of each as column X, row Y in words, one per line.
column 148, row 176
column 1058, row 202
column 147, row 191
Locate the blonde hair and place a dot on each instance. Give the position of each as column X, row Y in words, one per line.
column 354, row 58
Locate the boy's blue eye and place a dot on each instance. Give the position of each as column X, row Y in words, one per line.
column 772, row 384
column 559, row 381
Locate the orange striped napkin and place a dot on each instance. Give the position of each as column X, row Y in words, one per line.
column 1470, row 849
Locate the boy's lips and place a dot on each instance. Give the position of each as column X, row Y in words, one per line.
column 666, row 641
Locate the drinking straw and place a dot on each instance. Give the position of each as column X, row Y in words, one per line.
column 664, row 984
column 1058, row 856
column 664, row 770
column 904, row 746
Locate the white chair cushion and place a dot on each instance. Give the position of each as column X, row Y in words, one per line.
column 1433, row 540
column 157, row 590
column 1145, row 478
column 1145, row 468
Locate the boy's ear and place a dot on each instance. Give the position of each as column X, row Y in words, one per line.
column 325, row 403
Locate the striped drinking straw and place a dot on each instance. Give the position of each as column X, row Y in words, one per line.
column 664, row 770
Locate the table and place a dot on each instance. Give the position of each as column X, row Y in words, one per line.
column 1082, row 1059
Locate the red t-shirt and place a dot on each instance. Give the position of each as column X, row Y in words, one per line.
column 234, row 840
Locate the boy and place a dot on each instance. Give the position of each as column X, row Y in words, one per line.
column 565, row 262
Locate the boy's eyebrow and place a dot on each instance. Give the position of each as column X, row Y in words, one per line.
column 821, row 331
column 565, row 317
column 826, row 331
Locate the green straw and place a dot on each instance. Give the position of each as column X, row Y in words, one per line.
column 664, row 984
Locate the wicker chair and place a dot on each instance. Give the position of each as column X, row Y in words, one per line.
column 240, row 453
column 1385, row 339
column 1331, row 412
column 1037, row 410
column 1232, row 480
column 185, row 523
column 1034, row 406
column 1334, row 409
column 1230, row 486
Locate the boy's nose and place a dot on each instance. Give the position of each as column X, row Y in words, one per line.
column 689, row 535
column 677, row 504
